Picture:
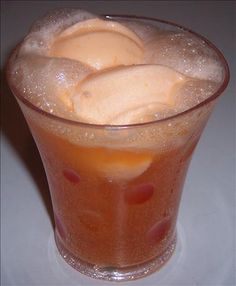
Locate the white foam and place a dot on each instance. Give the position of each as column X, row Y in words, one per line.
column 194, row 92
column 185, row 53
column 41, row 34
column 48, row 82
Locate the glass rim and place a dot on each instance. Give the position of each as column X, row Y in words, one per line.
column 211, row 98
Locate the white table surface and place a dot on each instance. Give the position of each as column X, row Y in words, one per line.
column 206, row 248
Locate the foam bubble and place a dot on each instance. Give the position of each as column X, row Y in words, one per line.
column 185, row 53
column 41, row 34
column 194, row 92
column 60, row 19
column 48, row 82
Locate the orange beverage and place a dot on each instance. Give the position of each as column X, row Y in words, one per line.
column 115, row 223
column 116, row 183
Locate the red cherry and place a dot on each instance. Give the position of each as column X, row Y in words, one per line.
column 159, row 230
column 71, row 176
column 139, row 194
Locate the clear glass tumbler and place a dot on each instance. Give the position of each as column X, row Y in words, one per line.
column 116, row 189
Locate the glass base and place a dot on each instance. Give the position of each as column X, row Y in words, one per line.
column 112, row 273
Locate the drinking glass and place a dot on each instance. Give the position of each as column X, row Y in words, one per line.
column 116, row 190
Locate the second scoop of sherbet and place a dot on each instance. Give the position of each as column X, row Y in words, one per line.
column 127, row 93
